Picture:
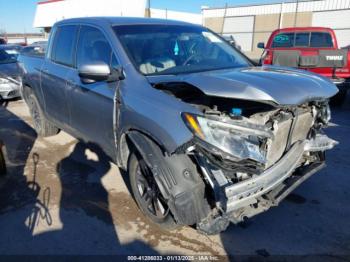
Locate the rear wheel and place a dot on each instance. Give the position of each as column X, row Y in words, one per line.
column 41, row 125
column 147, row 194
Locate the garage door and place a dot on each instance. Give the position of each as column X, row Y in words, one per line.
column 239, row 24
column 337, row 20
column 242, row 30
column 343, row 37
column 244, row 40
column 333, row 19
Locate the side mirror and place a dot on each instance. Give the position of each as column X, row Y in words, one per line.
column 94, row 72
column 261, row 45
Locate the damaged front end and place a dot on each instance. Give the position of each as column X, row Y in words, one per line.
column 252, row 158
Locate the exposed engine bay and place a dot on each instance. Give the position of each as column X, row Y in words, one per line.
column 251, row 154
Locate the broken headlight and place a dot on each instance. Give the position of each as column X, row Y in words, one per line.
column 240, row 141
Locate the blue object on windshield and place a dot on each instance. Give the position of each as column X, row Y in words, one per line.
column 176, row 49
column 236, row 111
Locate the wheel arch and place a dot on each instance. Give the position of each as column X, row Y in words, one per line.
column 126, row 144
column 176, row 176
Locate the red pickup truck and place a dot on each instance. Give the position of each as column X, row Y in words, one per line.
column 310, row 48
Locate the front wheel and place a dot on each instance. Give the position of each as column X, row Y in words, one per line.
column 147, row 194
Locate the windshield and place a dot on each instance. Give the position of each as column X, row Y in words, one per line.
column 175, row 49
column 6, row 58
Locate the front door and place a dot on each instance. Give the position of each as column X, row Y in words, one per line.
column 92, row 104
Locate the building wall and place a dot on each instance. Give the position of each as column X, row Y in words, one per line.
column 48, row 12
column 301, row 19
column 175, row 15
column 268, row 17
column 264, row 25
column 214, row 23
column 338, row 20
column 282, row 7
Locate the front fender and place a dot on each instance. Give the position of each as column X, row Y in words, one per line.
column 177, row 178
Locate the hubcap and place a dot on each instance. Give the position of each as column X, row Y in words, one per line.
column 149, row 192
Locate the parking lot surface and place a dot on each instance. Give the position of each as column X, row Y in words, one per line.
column 61, row 197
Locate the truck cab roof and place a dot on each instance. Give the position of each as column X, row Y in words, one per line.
column 306, row 29
column 122, row 21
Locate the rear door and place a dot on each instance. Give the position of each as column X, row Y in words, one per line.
column 92, row 104
column 58, row 65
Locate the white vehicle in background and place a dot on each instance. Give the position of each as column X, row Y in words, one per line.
column 9, row 72
column 35, row 49
column 44, row 42
column 12, row 49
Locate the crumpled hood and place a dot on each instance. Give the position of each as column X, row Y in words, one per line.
column 9, row 69
column 283, row 86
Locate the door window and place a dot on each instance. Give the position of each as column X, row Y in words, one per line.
column 93, row 47
column 64, row 45
column 114, row 62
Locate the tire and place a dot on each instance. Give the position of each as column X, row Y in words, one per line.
column 339, row 98
column 41, row 125
column 148, row 199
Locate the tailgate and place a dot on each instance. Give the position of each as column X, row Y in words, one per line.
column 319, row 59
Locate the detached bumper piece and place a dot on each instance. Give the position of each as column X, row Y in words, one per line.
column 245, row 199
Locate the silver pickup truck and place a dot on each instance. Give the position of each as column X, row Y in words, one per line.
column 205, row 137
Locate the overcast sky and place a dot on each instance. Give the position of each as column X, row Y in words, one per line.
column 17, row 15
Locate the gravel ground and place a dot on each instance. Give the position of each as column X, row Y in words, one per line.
column 62, row 197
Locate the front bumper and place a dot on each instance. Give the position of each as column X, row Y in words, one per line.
column 257, row 194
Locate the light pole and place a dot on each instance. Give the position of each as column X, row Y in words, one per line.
column 296, row 13
column 223, row 20
column 148, row 8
